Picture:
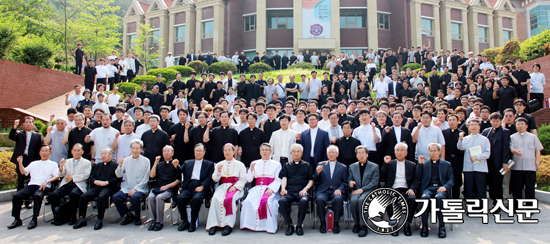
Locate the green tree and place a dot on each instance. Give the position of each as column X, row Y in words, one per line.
column 8, row 36
column 98, row 25
column 146, row 46
column 35, row 50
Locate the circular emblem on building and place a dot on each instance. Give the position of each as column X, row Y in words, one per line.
column 384, row 211
column 316, row 29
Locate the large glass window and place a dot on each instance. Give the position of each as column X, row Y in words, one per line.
column 384, row 21
column 208, row 29
column 156, row 37
column 482, row 33
column 539, row 19
column 506, row 35
column 250, row 23
column 427, row 27
column 456, row 31
column 280, row 20
column 132, row 39
column 180, row 33
column 353, row 19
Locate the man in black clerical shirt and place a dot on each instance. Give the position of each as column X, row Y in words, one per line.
column 271, row 124
column 78, row 56
column 219, row 136
column 347, row 144
column 276, row 61
column 154, row 140
column 452, row 154
column 296, row 181
column 499, row 138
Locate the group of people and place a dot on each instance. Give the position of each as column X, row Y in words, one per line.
column 313, row 143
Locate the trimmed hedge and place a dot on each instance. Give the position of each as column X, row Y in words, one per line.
column 413, row 66
column 218, row 67
column 183, row 70
column 8, row 176
column 128, row 87
column 533, row 47
column 167, row 73
column 544, row 137
column 259, row 67
column 302, row 65
column 543, row 175
column 198, row 66
column 149, row 79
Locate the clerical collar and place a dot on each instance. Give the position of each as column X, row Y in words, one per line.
column 434, row 162
column 297, row 162
column 362, row 164
column 198, row 161
column 522, row 133
column 332, row 162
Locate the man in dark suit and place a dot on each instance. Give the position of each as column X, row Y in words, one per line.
column 363, row 178
column 28, row 148
column 445, row 78
column 331, row 178
column 138, row 64
column 396, row 134
column 314, row 141
column 195, row 188
column 394, row 86
column 191, row 56
column 208, row 59
column 78, row 56
column 434, row 184
column 400, row 174
column 500, row 148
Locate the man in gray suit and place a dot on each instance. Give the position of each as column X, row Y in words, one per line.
column 400, row 175
column 363, row 178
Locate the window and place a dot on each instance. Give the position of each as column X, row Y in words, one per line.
column 506, row 35
column 155, row 38
column 456, row 32
column 539, row 19
column 180, row 33
column 352, row 19
column 250, row 23
column 208, row 29
column 427, row 27
column 384, row 21
column 280, row 20
column 482, row 33
column 132, row 39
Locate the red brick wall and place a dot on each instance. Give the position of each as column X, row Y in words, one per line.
column 8, row 115
column 23, row 86
column 542, row 117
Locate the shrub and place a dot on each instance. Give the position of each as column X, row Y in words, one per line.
column 183, row 70
column 8, row 37
column 167, row 73
column 58, row 59
column 413, row 66
column 492, row 54
column 33, row 50
column 259, row 67
column 302, row 65
column 218, row 67
column 533, row 47
column 8, row 176
column 198, row 66
column 128, row 87
column 149, row 79
column 40, row 127
column 544, row 137
column 58, row 67
column 543, row 175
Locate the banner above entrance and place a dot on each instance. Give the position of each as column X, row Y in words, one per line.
column 316, row 19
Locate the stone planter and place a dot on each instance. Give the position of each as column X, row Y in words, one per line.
column 542, row 196
column 6, row 196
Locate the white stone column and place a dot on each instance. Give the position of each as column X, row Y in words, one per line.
column 437, row 30
column 125, row 45
column 198, row 31
column 261, row 26
column 416, row 23
column 190, row 27
column 464, row 31
column 297, row 31
column 372, row 24
column 219, row 12
column 498, row 30
column 335, row 19
column 491, row 31
column 171, row 33
column 446, row 37
column 473, row 30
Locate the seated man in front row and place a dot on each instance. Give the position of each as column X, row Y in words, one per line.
column 436, row 179
column 296, row 180
column 76, row 172
column 363, row 178
column 103, row 181
column 331, row 177
column 400, row 174
column 43, row 172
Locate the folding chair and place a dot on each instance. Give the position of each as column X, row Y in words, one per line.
column 311, row 211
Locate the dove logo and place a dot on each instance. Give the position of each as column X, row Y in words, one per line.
column 384, row 211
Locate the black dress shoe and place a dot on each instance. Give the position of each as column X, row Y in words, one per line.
column 356, row 228
column 32, row 224
column 395, row 233
column 226, row 230
column 289, row 230
column 363, row 231
column 407, row 229
column 442, row 233
column 16, row 223
column 336, row 228
column 424, row 231
column 192, row 228
column 212, row 231
column 184, row 226
column 299, row 230
column 81, row 223
column 72, row 221
column 323, row 228
column 159, row 226
column 128, row 219
column 98, row 224
column 152, row 226
column 137, row 221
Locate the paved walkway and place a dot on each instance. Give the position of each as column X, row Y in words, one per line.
column 53, row 106
column 472, row 231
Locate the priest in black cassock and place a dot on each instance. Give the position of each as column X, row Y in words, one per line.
column 346, row 145
column 220, row 136
column 179, row 137
column 250, row 140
